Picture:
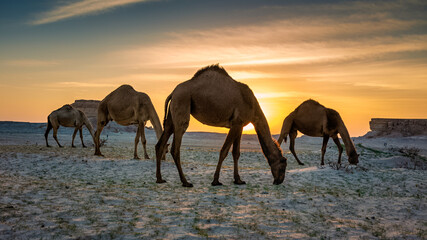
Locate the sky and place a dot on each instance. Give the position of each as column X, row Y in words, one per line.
column 365, row 59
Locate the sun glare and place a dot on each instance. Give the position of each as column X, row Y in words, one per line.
column 248, row 128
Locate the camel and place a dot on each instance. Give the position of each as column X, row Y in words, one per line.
column 216, row 99
column 313, row 119
column 127, row 107
column 67, row 116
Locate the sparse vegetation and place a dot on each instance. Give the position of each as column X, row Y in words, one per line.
column 415, row 161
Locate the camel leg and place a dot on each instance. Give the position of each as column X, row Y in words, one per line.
column 74, row 135
column 292, row 136
column 161, row 147
column 138, row 134
column 340, row 149
column 81, row 136
column 175, row 151
column 99, row 127
column 55, row 131
column 46, row 134
column 180, row 115
column 144, row 141
column 236, row 155
column 325, row 143
column 231, row 136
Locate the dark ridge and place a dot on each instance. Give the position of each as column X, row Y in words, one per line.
column 213, row 67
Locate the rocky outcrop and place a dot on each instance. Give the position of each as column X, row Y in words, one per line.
column 89, row 107
column 397, row 127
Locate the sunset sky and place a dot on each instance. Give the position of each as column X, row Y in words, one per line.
column 364, row 59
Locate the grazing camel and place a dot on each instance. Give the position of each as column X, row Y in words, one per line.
column 127, row 107
column 315, row 120
column 67, row 116
column 215, row 99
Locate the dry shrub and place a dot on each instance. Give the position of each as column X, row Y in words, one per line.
column 413, row 160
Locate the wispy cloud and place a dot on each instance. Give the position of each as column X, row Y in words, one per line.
column 83, row 7
column 281, row 42
column 29, row 63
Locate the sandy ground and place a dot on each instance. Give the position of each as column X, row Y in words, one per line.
column 69, row 193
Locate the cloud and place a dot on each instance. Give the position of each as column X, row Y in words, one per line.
column 83, row 7
column 299, row 40
column 30, row 63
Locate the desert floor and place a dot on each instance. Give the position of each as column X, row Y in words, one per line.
column 69, row 193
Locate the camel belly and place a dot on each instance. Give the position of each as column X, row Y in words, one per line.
column 309, row 129
column 67, row 121
column 212, row 119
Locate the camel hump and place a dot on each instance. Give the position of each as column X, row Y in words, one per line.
column 214, row 67
column 66, row 107
column 311, row 102
column 126, row 87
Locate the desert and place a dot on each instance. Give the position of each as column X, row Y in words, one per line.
column 69, row 193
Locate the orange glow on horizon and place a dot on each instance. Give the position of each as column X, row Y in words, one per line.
column 367, row 66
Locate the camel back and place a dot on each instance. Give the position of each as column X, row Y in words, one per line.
column 214, row 67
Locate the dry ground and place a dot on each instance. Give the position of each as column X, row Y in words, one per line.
column 69, row 193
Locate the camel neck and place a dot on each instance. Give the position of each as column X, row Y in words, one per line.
column 155, row 121
column 89, row 126
column 345, row 136
column 269, row 148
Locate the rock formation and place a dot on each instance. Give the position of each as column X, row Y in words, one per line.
column 90, row 108
column 397, row 127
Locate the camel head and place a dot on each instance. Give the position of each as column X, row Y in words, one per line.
column 353, row 158
column 278, row 170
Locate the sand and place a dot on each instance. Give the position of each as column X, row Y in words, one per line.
column 69, row 193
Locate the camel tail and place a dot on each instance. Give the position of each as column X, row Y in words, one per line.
column 48, row 128
column 286, row 128
column 168, row 99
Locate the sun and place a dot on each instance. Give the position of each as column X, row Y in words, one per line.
column 248, row 128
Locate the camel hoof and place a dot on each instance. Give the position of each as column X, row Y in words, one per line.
column 73, row 146
column 239, row 182
column 48, row 146
column 187, row 184
column 146, row 157
column 302, row 164
column 61, row 146
column 99, row 154
column 216, row 183
column 84, row 146
column 136, row 158
column 160, row 181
